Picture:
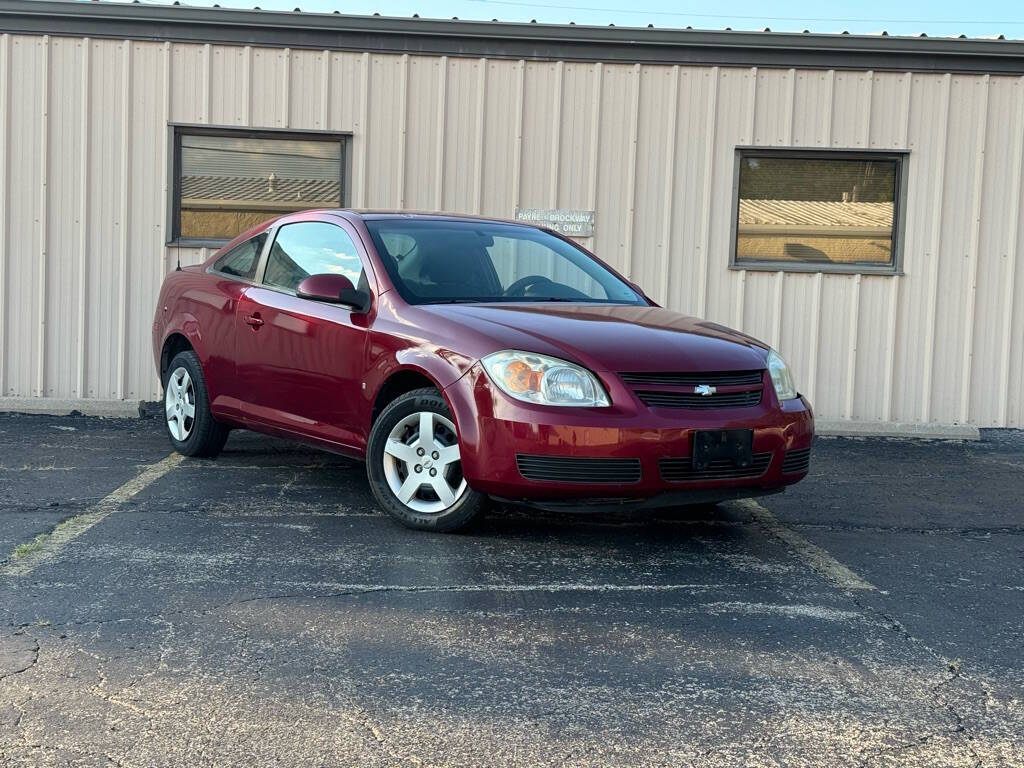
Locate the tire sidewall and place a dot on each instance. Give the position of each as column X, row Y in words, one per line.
column 460, row 514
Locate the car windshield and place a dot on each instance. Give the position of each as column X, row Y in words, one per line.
column 438, row 262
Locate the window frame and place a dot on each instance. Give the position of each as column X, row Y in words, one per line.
column 895, row 267
column 175, row 131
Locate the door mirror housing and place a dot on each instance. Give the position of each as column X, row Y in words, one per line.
column 331, row 288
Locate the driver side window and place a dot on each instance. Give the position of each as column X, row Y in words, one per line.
column 516, row 258
column 311, row 248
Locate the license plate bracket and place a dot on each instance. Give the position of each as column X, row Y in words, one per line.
column 736, row 445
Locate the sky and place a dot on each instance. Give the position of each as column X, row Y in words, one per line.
column 983, row 18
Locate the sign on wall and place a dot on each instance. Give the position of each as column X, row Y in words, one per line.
column 563, row 221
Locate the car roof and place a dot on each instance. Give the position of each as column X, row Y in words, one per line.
column 374, row 214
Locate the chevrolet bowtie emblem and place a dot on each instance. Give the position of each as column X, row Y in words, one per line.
column 704, row 389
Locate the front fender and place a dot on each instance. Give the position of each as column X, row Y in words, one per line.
column 444, row 367
column 441, row 367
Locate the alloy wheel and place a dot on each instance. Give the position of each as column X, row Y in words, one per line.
column 421, row 462
column 180, row 404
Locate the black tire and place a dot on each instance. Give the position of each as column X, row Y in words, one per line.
column 205, row 436
column 467, row 508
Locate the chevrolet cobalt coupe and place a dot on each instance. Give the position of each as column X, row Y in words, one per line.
column 467, row 359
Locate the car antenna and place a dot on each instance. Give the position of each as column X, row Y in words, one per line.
column 177, row 254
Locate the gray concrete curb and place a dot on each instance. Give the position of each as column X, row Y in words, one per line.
column 114, row 409
column 845, row 428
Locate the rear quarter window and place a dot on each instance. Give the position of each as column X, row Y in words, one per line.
column 241, row 260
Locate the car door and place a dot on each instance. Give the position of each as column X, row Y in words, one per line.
column 214, row 307
column 300, row 362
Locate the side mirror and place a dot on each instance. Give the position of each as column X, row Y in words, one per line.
column 332, row 288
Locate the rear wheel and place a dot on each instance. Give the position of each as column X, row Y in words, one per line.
column 190, row 424
column 414, row 465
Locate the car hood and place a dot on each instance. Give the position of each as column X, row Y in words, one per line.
column 604, row 337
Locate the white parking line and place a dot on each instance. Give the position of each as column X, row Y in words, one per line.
column 814, row 556
column 46, row 546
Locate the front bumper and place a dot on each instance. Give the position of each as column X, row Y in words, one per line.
column 494, row 429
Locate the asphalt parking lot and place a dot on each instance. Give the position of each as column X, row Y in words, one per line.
column 258, row 610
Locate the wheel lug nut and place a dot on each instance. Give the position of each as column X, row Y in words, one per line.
column 433, row 472
column 420, row 451
column 418, row 468
column 435, row 455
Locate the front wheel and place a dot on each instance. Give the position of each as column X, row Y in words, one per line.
column 414, row 465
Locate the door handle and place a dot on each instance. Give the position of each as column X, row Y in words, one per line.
column 254, row 320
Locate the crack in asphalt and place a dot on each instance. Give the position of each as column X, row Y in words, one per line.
column 955, row 669
column 33, row 660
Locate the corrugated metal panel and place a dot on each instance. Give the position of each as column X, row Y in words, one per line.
column 421, row 116
column 64, row 185
column 24, row 165
column 650, row 148
column 462, row 134
column 620, row 87
column 501, row 137
column 384, row 132
column 996, row 252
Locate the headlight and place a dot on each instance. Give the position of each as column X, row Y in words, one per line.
column 782, row 379
column 544, row 380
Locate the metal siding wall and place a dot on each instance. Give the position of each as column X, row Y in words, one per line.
column 576, row 148
column 1012, row 384
column 650, row 148
column 421, row 129
column 1001, row 176
column 966, row 112
column 500, row 138
column 145, row 237
column 345, row 91
column 720, row 294
column 462, row 135
column 383, row 132
column 619, row 89
column 657, row 116
column 542, row 92
column 229, row 69
column 63, row 183
column 102, row 214
column 23, row 251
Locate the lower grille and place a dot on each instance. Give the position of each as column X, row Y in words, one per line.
column 665, row 399
column 796, row 461
column 681, row 470
column 564, row 469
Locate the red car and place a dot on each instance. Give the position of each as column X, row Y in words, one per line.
column 465, row 359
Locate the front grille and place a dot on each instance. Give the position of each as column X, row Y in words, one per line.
column 668, row 399
column 796, row 461
column 736, row 389
column 563, row 469
column 681, row 470
column 722, row 379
